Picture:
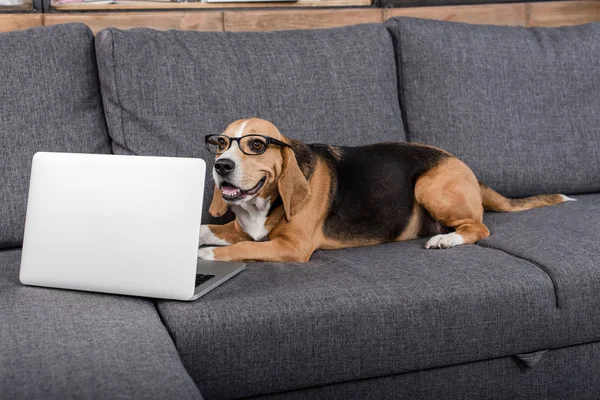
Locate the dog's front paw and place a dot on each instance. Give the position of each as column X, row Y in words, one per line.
column 446, row 241
column 207, row 237
column 206, row 253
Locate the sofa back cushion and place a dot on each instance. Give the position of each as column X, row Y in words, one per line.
column 164, row 91
column 519, row 106
column 49, row 101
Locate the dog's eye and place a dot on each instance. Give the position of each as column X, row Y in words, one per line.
column 257, row 145
column 222, row 143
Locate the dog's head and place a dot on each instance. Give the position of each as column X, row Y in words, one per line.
column 253, row 159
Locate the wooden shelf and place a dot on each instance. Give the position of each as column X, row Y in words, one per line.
column 560, row 13
column 182, row 20
column 547, row 14
column 256, row 19
column 244, row 21
column 13, row 22
column 142, row 5
column 493, row 14
column 221, row 20
column 21, row 7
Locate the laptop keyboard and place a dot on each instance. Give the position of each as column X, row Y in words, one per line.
column 201, row 278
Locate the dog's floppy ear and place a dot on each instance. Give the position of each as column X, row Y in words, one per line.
column 293, row 186
column 218, row 207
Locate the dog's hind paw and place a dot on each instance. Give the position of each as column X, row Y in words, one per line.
column 446, row 241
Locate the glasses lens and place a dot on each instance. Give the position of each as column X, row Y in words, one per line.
column 217, row 144
column 253, row 144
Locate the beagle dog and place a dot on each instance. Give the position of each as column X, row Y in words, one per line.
column 291, row 198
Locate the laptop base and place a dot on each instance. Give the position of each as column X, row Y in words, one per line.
column 210, row 274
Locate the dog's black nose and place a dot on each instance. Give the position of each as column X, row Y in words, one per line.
column 224, row 166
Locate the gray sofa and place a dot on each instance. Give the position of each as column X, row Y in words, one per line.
column 516, row 316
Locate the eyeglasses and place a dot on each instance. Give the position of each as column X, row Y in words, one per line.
column 252, row 145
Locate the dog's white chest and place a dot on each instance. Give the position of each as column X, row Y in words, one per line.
column 252, row 216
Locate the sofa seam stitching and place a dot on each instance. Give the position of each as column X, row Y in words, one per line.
column 164, row 319
column 115, row 81
column 533, row 262
column 99, row 86
column 400, row 83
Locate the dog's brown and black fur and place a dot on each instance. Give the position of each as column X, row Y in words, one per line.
column 316, row 196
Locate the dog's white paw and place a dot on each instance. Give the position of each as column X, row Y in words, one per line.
column 207, row 237
column 444, row 241
column 206, row 253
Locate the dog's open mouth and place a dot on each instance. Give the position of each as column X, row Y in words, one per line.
column 231, row 192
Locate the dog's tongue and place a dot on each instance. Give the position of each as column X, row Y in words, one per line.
column 230, row 190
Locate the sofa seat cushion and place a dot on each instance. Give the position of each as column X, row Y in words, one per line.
column 361, row 313
column 518, row 105
column 60, row 344
column 49, row 101
column 164, row 91
column 560, row 374
column 563, row 240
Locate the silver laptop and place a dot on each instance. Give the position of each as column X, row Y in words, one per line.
column 118, row 224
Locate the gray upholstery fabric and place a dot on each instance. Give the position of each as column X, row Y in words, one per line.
column 562, row 239
column 563, row 374
column 361, row 313
column 518, row 105
column 49, row 101
column 59, row 344
column 164, row 91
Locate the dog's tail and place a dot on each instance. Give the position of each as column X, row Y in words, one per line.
column 494, row 201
